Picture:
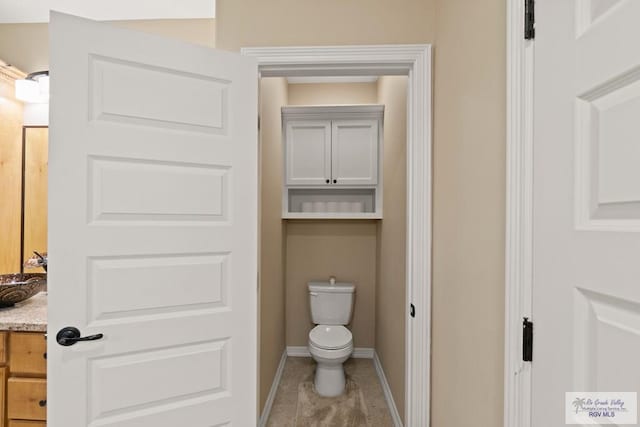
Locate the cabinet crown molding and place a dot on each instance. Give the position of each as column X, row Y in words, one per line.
column 363, row 111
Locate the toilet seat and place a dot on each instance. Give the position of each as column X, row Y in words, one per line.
column 330, row 337
column 331, row 357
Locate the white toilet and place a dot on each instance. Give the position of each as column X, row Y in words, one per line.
column 330, row 343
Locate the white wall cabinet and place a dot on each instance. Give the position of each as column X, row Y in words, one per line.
column 354, row 152
column 308, row 152
column 333, row 161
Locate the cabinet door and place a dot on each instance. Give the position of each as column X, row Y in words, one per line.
column 308, row 152
column 27, row 399
column 354, row 152
column 28, row 353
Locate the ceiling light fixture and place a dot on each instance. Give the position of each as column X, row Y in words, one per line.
column 34, row 88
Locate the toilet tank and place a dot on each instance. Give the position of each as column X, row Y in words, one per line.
column 331, row 304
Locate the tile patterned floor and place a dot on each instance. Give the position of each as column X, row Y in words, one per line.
column 296, row 369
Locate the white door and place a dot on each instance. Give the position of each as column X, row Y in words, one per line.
column 308, row 152
column 354, row 152
column 153, row 219
column 586, row 290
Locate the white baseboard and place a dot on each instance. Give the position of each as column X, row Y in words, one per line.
column 358, row 352
column 395, row 416
column 363, row 353
column 272, row 393
column 293, row 351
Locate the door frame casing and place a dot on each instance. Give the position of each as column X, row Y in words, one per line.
column 519, row 216
column 415, row 62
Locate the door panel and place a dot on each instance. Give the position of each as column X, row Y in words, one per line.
column 355, row 152
column 153, row 230
column 116, row 185
column 586, row 299
column 190, row 369
column 198, row 103
column 308, row 152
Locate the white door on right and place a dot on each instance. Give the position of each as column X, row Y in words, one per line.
column 586, row 265
column 354, row 152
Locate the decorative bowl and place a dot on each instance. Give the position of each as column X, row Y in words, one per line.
column 19, row 287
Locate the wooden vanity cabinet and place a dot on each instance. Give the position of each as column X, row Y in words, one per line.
column 23, row 386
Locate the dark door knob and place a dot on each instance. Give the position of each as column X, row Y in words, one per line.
column 335, row 181
column 69, row 336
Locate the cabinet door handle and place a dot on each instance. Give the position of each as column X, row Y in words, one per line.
column 42, row 403
column 328, row 181
column 335, row 181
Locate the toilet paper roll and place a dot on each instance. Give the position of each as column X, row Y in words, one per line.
column 307, row 206
column 344, row 207
column 319, row 207
column 357, row 207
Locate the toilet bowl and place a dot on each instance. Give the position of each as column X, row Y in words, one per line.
column 330, row 346
column 330, row 343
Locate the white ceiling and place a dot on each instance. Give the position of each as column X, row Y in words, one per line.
column 23, row 11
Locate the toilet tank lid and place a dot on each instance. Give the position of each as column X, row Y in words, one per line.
column 339, row 287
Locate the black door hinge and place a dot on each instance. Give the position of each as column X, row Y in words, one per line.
column 527, row 340
column 529, row 20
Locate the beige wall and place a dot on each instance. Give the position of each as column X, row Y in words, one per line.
column 333, row 93
column 242, row 23
column 26, row 46
column 469, row 193
column 392, row 231
column 468, row 248
column 273, row 95
column 10, row 177
column 319, row 249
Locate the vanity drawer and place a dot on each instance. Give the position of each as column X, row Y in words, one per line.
column 27, row 399
column 27, row 353
column 21, row 423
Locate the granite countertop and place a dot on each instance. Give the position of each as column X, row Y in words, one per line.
column 26, row 316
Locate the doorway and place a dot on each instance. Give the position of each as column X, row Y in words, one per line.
column 415, row 63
